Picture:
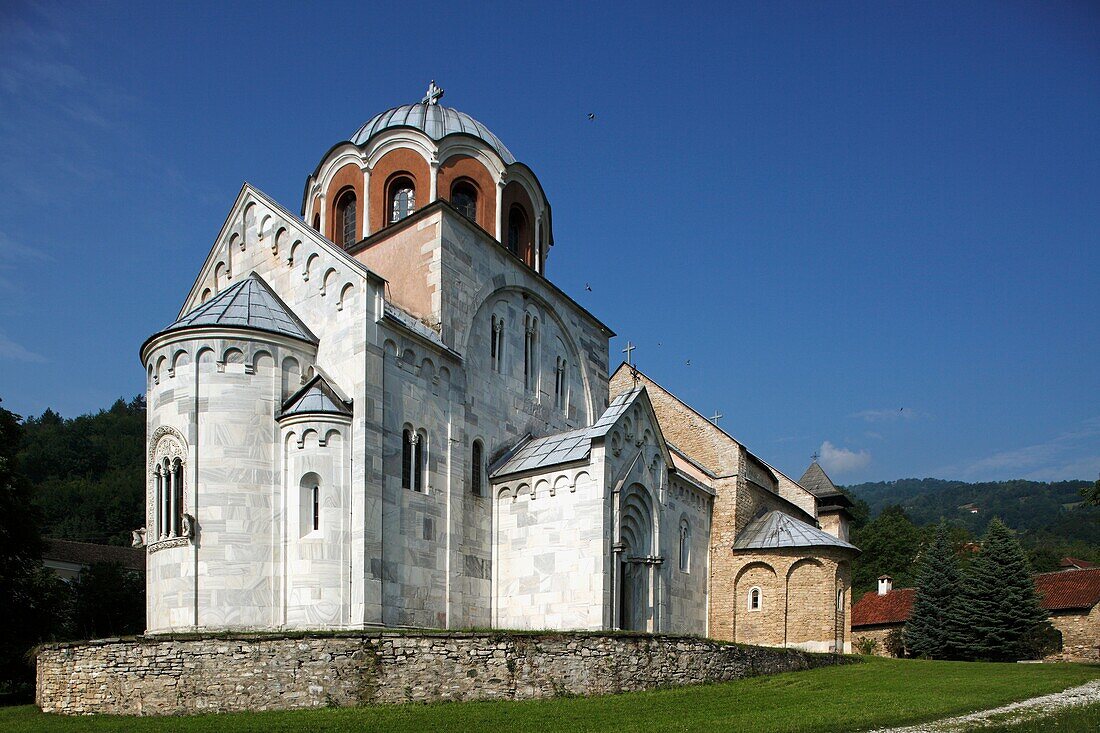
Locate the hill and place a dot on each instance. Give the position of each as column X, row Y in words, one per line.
column 1029, row 507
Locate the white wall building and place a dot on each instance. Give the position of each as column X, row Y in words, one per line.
column 392, row 417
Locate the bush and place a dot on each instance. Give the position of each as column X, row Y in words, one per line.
column 866, row 646
column 894, row 643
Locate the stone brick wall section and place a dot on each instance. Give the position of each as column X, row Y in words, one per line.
column 223, row 673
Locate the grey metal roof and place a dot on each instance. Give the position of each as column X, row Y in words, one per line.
column 817, row 482
column 776, row 529
column 248, row 303
column 566, row 447
column 436, row 122
column 614, row 411
column 317, row 396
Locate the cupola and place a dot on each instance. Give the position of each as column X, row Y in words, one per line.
column 412, row 155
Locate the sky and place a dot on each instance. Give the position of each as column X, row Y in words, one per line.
column 869, row 231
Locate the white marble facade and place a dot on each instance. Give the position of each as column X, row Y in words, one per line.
column 281, row 401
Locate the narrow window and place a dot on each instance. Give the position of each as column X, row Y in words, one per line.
column 464, row 198
column 406, row 458
column 177, row 498
column 402, row 199
column 345, row 220
column 497, row 341
column 317, row 222
column 420, row 460
column 158, row 526
column 475, row 469
column 316, row 507
column 840, row 599
column 530, row 352
column 517, row 230
column 754, row 599
column 685, row 546
column 560, row 377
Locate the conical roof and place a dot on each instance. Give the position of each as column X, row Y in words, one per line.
column 775, row 530
column 316, row 397
column 818, row 483
column 248, row 303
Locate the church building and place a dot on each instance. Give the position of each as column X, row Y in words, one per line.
column 381, row 412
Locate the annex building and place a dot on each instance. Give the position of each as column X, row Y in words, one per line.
column 381, row 412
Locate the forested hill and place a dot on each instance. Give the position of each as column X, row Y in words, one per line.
column 1039, row 511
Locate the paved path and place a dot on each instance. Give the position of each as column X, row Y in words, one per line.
column 1036, row 707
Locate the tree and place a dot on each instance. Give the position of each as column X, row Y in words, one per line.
column 108, row 600
column 1091, row 494
column 32, row 600
column 999, row 607
column 890, row 545
column 933, row 627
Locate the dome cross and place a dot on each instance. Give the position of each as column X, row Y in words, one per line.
column 433, row 95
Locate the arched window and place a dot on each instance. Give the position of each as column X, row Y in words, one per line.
column 420, row 458
column 406, row 458
column 402, row 198
column 530, row 353
column 346, row 234
column 517, row 230
column 317, row 222
column 560, row 383
column 464, row 198
column 685, row 546
column 754, row 599
column 309, row 504
column 168, row 477
column 496, row 343
column 476, row 468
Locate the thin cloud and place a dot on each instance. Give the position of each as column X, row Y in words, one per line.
column 842, row 460
column 888, row 415
column 1074, row 454
column 11, row 351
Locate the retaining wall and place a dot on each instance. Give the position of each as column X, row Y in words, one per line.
column 217, row 673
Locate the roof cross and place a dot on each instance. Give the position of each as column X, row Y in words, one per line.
column 628, row 351
column 815, row 456
column 716, row 417
column 433, row 95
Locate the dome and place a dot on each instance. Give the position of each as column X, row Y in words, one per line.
column 434, row 121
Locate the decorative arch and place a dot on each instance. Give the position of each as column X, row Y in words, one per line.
column 346, row 293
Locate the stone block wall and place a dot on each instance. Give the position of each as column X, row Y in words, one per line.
column 186, row 675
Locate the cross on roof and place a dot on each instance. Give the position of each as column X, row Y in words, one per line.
column 716, row 417
column 815, row 456
column 628, row 350
column 433, row 95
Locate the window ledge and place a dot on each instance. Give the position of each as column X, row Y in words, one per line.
column 168, row 542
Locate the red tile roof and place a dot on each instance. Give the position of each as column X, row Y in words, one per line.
column 892, row 608
column 1069, row 589
column 1072, row 562
column 84, row 553
column 1059, row 591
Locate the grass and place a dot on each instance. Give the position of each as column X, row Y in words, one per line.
column 854, row 697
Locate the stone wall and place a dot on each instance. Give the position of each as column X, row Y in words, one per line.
column 221, row 673
column 1080, row 635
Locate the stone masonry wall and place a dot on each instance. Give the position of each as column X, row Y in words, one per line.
column 182, row 675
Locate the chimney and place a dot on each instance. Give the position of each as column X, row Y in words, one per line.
column 885, row 584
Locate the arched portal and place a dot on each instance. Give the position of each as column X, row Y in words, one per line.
column 636, row 568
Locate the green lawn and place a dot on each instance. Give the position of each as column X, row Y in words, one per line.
column 845, row 698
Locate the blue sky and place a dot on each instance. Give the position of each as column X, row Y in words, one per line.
column 872, row 228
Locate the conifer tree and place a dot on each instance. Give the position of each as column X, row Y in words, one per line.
column 932, row 629
column 999, row 608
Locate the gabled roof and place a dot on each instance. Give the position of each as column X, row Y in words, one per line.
column 774, row 530
column 1072, row 563
column 247, row 303
column 316, row 397
column 573, row 445
column 1069, row 589
column 1058, row 591
column 86, row 553
column 892, row 608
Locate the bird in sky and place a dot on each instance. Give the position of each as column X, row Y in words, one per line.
column 588, row 287
column 591, row 115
